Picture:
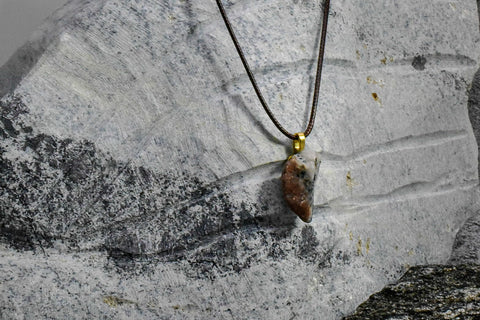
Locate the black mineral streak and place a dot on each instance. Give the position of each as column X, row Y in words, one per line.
column 71, row 192
column 307, row 246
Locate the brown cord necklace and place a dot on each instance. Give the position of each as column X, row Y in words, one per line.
column 300, row 171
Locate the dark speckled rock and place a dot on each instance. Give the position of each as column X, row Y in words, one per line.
column 466, row 248
column 427, row 293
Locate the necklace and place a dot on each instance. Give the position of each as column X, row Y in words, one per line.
column 301, row 168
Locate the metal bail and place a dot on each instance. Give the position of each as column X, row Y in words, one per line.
column 298, row 142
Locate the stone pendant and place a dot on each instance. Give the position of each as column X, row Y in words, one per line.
column 298, row 181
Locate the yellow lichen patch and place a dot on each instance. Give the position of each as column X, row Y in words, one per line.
column 367, row 245
column 350, row 181
column 364, row 161
column 385, row 59
column 376, row 98
column 350, row 235
column 113, row 301
column 380, row 83
column 359, row 247
column 411, row 252
column 358, row 54
column 171, row 18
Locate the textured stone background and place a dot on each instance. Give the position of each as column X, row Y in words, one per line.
column 140, row 178
column 19, row 19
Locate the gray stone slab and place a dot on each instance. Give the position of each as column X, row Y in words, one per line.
column 140, row 176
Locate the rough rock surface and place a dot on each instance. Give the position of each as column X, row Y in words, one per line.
column 427, row 293
column 140, row 177
column 466, row 248
column 474, row 106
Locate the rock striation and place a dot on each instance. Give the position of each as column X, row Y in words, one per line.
column 141, row 178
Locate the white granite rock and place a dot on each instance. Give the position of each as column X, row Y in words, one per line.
column 140, row 176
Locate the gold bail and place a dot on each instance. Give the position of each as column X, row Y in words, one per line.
column 298, row 142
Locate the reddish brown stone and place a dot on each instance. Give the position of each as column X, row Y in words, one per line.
column 298, row 181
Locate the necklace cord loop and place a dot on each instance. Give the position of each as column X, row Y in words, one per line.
column 318, row 77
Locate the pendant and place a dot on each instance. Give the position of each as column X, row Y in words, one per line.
column 298, row 179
